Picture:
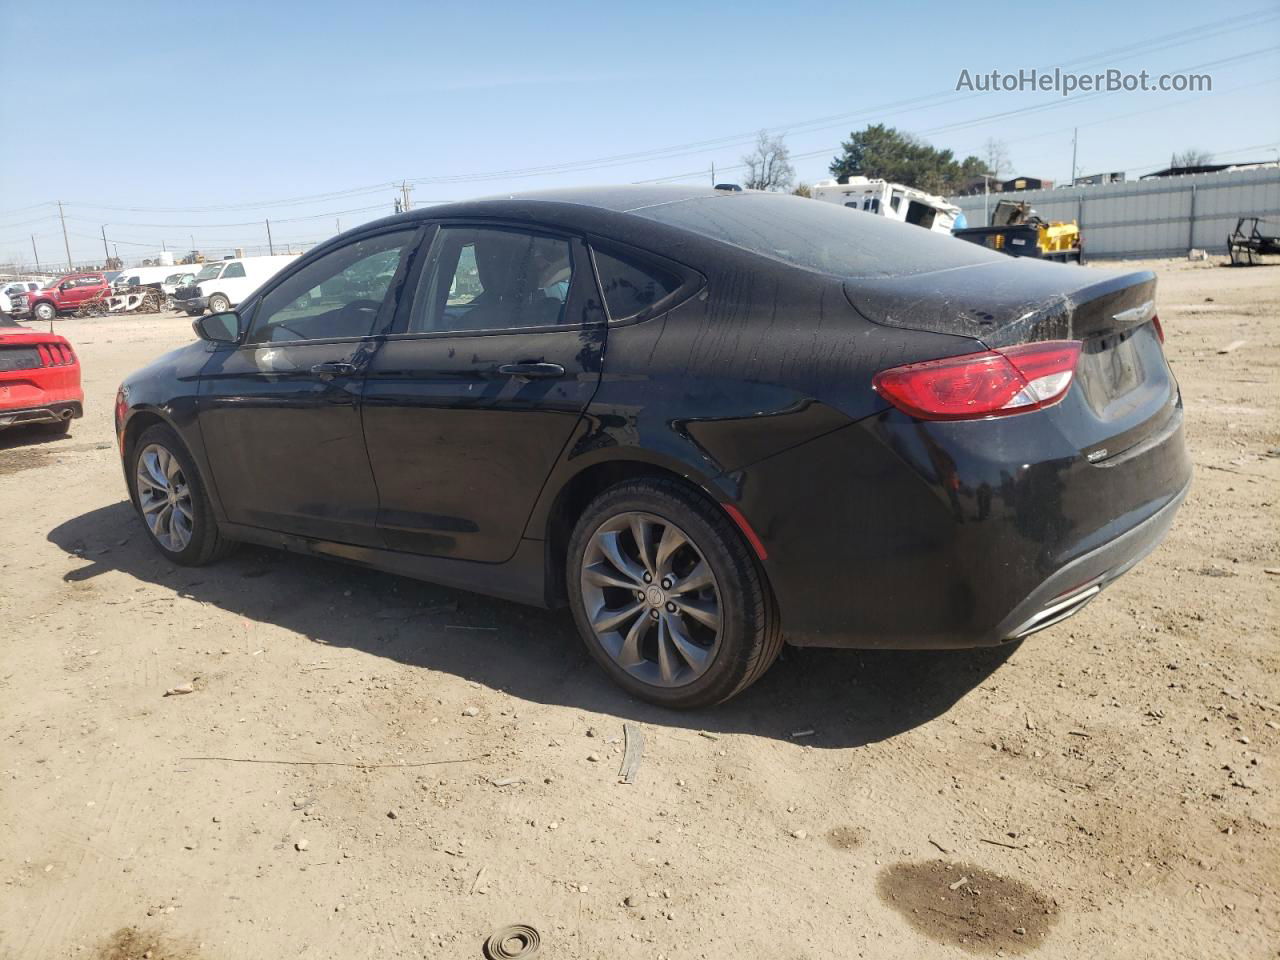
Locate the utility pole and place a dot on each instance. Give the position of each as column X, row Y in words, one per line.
column 406, row 204
column 270, row 246
column 1075, row 134
column 35, row 252
column 105, row 251
column 337, row 222
column 65, row 242
column 713, row 173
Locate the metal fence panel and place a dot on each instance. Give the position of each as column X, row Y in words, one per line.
column 1151, row 218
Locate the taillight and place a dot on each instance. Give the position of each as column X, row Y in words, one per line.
column 994, row 383
column 55, row 354
column 1155, row 322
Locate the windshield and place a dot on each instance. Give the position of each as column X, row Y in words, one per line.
column 210, row 272
column 174, row 277
column 820, row 236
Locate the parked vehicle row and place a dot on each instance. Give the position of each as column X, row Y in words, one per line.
column 63, row 295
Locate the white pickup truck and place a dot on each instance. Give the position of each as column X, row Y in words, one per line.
column 221, row 284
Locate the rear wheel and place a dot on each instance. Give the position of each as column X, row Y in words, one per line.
column 45, row 311
column 219, row 304
column 667, row 596
column 171, row 500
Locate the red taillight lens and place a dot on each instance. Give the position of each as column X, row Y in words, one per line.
column 1155, row 322
column 994, row 383
column 55, row 354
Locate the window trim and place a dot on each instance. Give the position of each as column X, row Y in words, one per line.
column 692, row 282
column 583, row 274
column 381, row 325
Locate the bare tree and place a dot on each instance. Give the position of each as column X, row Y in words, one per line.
column 769, row 165
column 996, row 157
column 1191, row 158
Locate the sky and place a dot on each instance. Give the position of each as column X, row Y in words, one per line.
column 162, row 123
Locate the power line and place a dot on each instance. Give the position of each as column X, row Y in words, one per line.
column 1152, row 44
column 1056, row 103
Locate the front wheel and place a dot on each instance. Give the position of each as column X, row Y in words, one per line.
column 219, row 304
column 171, row 500
column 45, row 311
column 668, row 597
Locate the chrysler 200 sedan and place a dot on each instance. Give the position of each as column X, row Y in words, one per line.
column 707, row 421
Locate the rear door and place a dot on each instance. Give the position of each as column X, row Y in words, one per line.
column 468, row 405
column 280, row 413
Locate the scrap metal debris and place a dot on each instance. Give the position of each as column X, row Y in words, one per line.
column 512, row 942
column 631, row 753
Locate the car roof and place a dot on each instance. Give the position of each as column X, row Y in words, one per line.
column 573, row 206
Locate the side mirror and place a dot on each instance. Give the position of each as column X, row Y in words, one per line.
column 218, row 327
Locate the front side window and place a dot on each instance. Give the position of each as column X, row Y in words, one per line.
column 334, row 297
column 631, row 286
column 233, row 270
column 488, row 278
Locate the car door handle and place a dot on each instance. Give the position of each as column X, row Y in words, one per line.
column 335, row 368
column 532, row 371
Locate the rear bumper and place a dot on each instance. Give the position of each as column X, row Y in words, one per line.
column 1067, row 592
column 50, row 413
column 900, row 534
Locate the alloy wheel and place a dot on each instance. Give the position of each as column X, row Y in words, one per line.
column 652, row 599
column 164, row 497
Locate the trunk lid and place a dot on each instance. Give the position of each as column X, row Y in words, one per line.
column 1124, row 391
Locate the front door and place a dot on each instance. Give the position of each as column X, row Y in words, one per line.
column 280, row 413
column 77, row 290
column 468, row 405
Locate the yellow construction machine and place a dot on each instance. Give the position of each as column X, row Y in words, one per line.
column 1019, row 231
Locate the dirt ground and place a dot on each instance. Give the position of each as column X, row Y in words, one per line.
column 374, row 767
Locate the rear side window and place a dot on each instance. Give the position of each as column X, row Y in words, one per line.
column 630, row 285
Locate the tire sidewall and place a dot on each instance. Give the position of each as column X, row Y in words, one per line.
column 204, row 532
column 735, row 576
column 44, row 311
column 219, row 304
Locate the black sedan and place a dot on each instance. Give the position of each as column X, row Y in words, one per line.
column 707, row 421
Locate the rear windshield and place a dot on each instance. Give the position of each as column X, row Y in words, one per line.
column 820, row 236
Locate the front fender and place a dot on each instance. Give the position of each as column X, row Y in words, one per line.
column 167, row 391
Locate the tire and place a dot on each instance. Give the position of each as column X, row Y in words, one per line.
column 44, row 311
column 219, row 304
column 727, row 657
column 203, row 542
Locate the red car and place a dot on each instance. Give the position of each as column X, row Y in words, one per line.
column 39, row 379
column 61, row 296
